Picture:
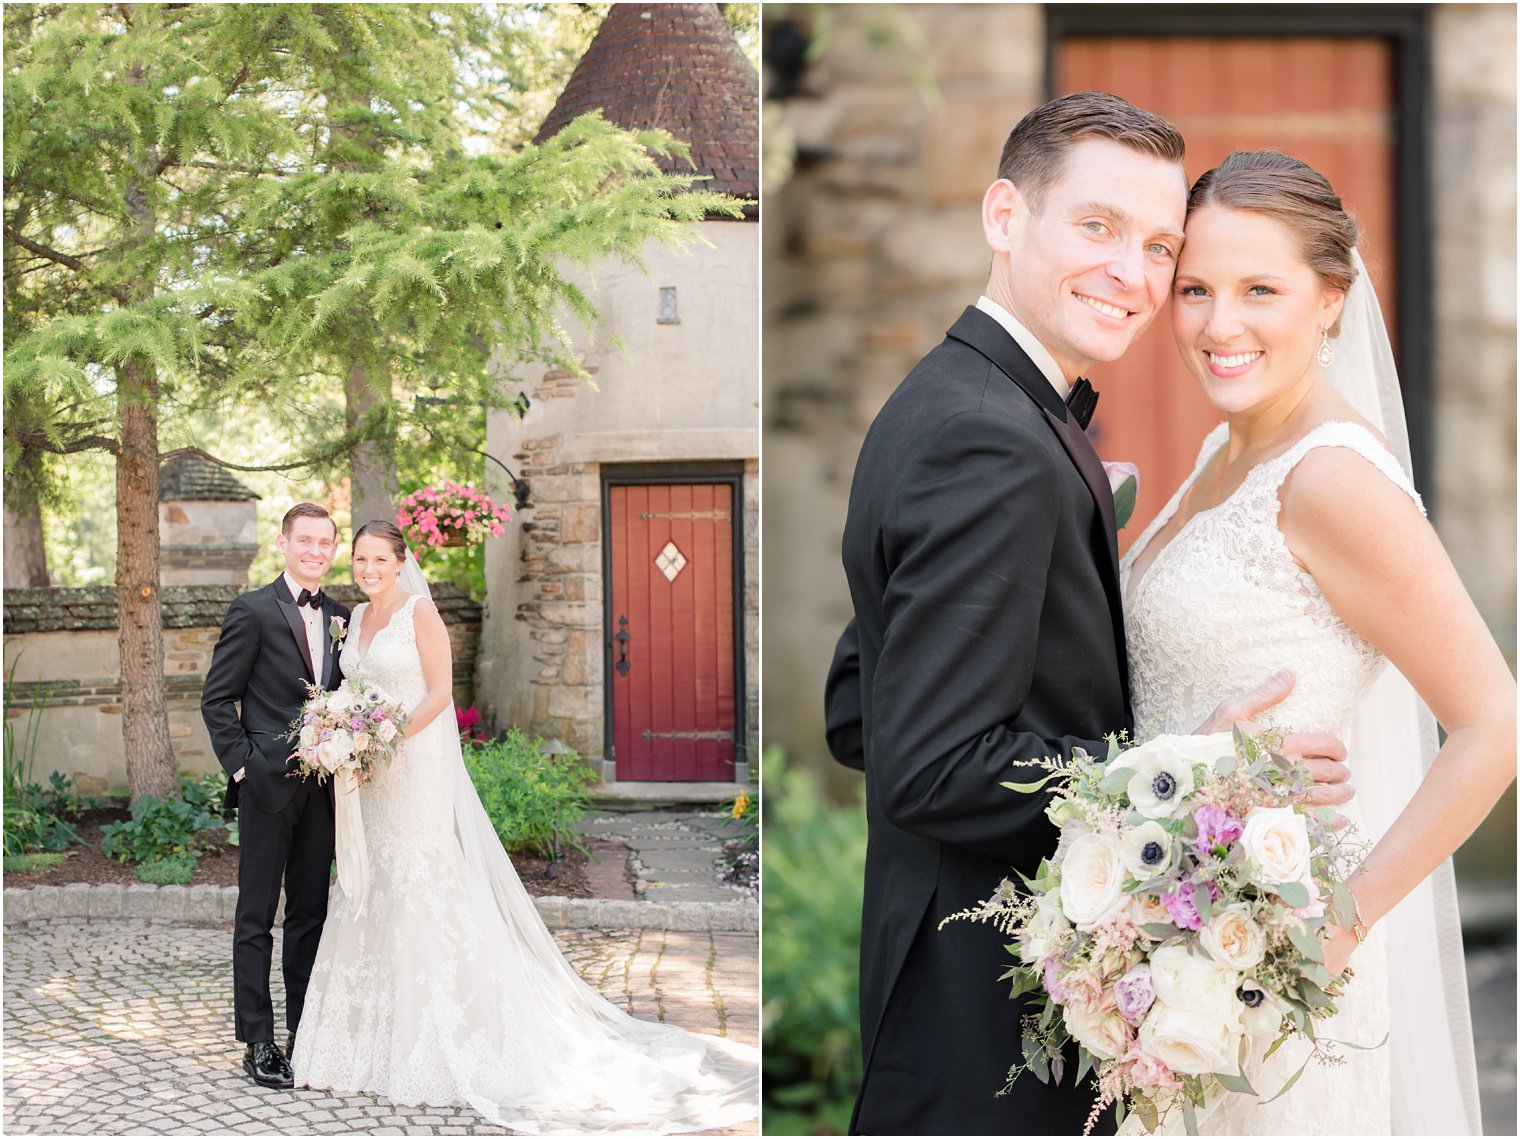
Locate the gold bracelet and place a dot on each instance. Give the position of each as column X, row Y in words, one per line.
column 1358, row 924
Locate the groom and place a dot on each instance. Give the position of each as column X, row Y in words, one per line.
column 981, row 554
column 273, row 641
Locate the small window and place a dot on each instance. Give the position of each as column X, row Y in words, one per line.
column 668, row 314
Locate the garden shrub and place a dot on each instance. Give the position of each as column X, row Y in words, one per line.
column 35, row 860
column 160, row 829
column 174, row 871
column 813, row 874
column 530, row 793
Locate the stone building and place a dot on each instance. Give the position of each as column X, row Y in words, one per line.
column 622, row 613
column 890, row 135
column 208, row 524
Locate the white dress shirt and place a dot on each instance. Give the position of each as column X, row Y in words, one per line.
column 1026, row 340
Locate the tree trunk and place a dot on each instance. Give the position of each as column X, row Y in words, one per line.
column 25, row 555
column 151, row 768
column 373, row 474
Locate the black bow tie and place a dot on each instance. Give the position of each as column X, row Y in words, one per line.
column 1081, row 402
column 313, row 599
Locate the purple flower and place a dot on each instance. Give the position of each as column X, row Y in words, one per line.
column 1215, row 829
column 326, row 735
column 1055, row 969
column 1134, row 994
column 377, row 715
column 1179, row 904
column 357, row 723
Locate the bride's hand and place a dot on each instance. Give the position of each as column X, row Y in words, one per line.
column 1339, row 947
column 1321, row 753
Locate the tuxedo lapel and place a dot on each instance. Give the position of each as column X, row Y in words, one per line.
column 981, row 332
column 292, row 614
column 329, row 646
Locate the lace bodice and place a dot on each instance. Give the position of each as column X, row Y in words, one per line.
column 390, row 662
column 1223, row 606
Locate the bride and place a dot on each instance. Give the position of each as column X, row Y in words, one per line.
column 1299, row 542
column 435, row 981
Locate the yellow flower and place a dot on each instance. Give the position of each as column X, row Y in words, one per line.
column 741, row 804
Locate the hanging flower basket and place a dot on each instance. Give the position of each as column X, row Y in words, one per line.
column 448, row 514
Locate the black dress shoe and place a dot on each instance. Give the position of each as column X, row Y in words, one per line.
column 265, row 1065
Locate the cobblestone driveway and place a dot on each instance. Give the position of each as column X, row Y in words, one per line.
column 124, row 1026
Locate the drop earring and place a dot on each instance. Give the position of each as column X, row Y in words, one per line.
column 1326, row 354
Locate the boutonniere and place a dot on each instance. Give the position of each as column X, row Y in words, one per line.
column 1124, row 482
column 337, row 629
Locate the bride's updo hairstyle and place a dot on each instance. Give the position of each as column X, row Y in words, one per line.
column 388, row 531
column 1292, row 192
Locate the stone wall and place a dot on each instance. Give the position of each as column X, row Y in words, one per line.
column 61, row 657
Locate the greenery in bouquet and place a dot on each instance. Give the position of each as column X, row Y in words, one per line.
column 450, row 514
column 352, row 728
column 1175, row 934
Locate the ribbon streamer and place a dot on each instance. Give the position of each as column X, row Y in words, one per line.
column 353, row 862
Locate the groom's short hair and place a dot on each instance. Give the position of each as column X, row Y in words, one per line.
column 1036, row 149
column 305, row 510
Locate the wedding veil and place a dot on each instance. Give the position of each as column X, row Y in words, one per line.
column 1392, row 741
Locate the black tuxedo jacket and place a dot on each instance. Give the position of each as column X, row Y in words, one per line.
column 981, row 555
column 261, row 662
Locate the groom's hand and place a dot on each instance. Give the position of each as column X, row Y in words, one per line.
column 1323, row 754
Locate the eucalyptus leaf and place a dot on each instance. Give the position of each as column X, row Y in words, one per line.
column 1306, row 943
column 1362, row 1047
column 1084, row 1065
column 1113, row 782
column 1293, row 1079
column 1119, row 1112
column 1189, row 1116
column 1313, row 995
column 1226, row 764
column 1344, row 904
column 1295, row 894
column 1202, row 904
column 1157, row 930
column 1278, row 1043
column 1235, row 1083
column 1057, row 1067
column 1113, row 748
column 1031, row 788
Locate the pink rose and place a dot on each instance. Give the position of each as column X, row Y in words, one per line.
column 1147, row 1071
column 1118, row 472
column 1084, row 991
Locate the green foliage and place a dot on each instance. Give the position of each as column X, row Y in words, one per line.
column 530, row 794
column 33, row 815
column 162, row 829
column 29, row 863
column 813, row 874
column 173, row 871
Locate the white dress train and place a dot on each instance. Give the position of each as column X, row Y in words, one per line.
column 1219, row 610
column 446, row 987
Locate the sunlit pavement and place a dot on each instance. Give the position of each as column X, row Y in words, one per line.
column 117, row 1026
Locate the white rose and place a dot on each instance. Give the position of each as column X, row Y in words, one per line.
column 1070, row 832
column 1039, row 934
column 1148, row 851
column 1147, row 909
column 334, row 751
column 361, row 741
column 1189, row 1041
column 1184, row 980
column 340, row 701
column 386, row 731
column 308, row 736
column 1092, row 880
column 1276, row 842
column 1234, row 939
column 1163, row 777
column 1104, row 1034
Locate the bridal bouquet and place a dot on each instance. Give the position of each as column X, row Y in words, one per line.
column 352, row 728
column 1175, row 933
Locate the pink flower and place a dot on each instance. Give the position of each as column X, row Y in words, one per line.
column 1055, row 972
column 1134, row 994
column 1118, row 472
column 1084, row 991
column 1179, row 904
column 1215, row 829
column 1147, row 1071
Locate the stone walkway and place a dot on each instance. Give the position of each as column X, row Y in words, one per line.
column 116, row 1026
column 675, row 853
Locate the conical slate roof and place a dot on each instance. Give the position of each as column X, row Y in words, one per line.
column 194, row 478
column 676, row 67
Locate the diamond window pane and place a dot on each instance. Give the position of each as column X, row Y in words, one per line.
column 668, row 314
column 670, row 562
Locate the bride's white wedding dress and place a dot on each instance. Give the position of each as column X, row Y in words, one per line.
column 1219, row 610
column 446, row 987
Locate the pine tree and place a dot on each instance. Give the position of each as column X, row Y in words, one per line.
column 182, row 230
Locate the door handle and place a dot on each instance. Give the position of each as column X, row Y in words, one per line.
column 622, row 640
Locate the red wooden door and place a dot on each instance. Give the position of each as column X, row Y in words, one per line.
column 672, row 634
column 1326, row 101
